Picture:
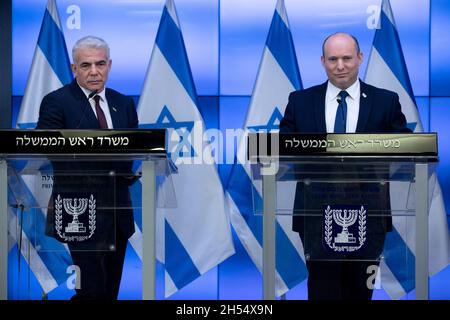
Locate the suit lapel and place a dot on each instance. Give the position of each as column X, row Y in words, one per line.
column 319, row 107
column 365, row 106
column 85, row 105
column 115, row 118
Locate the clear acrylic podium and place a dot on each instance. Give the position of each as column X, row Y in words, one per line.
column 63, row 189
column 348, row 196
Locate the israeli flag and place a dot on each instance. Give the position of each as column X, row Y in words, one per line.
column 197, row 233
column 50, row 70
column 278, row 75
column 387, row 69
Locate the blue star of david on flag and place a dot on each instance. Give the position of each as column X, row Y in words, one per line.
column 272, row 124
column 183, row 128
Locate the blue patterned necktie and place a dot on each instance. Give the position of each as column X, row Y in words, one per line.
column 341, row 113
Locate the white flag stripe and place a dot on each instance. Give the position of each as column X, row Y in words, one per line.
column 281, row 9
column 170, row 285
column 405, row 225
column 47, row 73
column 251, row 244
column 276, row 90
column 33, row 259
column 278, row 75
column 163, row 80
column 285, row 222
column 42, row 81
column 204, row 255
column 269, row 70
column 51, row 8
column 136, row 241
column 12, row 229
column 390, row 283
column 390, row 82
column 197, row 231
column 387, row 49
column 439, row 240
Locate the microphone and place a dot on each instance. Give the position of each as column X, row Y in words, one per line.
column 339, row 99
column 92, row 94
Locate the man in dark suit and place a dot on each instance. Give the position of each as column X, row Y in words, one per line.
column 342, row 104
column 87, row 104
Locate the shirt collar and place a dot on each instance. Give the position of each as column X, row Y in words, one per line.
column 333, row 91
column 87, row 92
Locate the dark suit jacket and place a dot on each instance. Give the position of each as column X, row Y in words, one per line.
column 380, row 112
column 69, row 108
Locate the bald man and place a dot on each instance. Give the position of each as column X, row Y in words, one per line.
column 343, row 104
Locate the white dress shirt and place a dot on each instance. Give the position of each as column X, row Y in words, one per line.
column 331, row 105
column 103, row 105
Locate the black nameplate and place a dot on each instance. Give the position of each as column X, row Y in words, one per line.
column 82, row 141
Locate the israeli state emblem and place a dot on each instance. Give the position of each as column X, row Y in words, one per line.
column 75, row 216
column 344, row 227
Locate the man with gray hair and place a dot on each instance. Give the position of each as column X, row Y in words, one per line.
column 87, row 104
column 91, row 63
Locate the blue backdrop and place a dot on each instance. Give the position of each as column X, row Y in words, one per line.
column 224, row 41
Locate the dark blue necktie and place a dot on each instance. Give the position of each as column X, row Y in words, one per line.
column 341, row 113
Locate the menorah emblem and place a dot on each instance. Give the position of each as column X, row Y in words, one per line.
column 75, row 207
column 345, row 218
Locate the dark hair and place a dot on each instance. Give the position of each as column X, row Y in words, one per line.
column 352, row 36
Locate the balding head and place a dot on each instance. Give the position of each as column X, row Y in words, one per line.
column 341, row 34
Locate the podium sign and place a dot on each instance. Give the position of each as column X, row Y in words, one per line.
column 48, row 142
column 349, row 188
column 82, row 178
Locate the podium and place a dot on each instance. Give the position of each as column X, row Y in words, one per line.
column 81, row 177
column 342, row 192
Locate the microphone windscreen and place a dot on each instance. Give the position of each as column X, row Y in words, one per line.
column 92, row 94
